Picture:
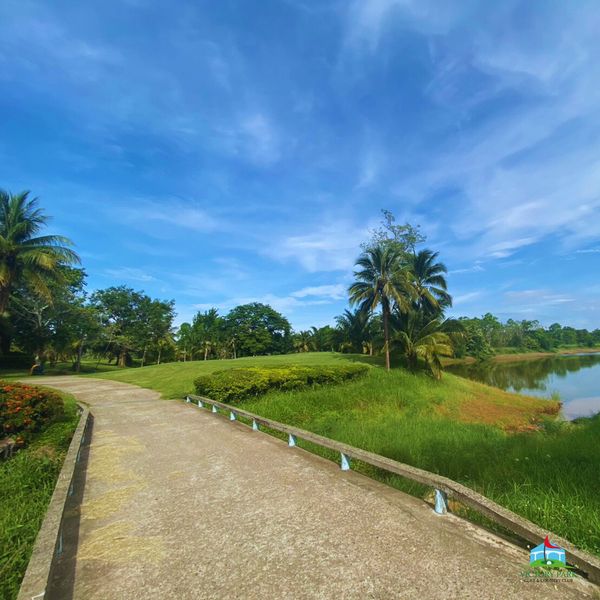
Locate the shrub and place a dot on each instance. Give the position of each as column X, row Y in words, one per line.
column 25, row 409
column 236, row 384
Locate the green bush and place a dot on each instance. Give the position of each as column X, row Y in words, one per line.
column 236, row 384
column 25, row 409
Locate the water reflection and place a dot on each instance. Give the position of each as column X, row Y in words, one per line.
column 576, row 378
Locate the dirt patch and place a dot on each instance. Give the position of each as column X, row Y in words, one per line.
column 504, row 410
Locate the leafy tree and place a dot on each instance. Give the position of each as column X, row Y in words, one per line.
column 27, row 258
column 256, row 329
column 130, row 320
column 381, row 281
column 55, row 326
column 405, row 238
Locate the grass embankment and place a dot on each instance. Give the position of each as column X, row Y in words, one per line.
column 26, row 485
column 503, row 445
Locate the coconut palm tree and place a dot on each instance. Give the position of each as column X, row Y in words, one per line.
column 26, row 257
column 424, row 342
column 382, row 281
column 355, row 328
column 428, row 279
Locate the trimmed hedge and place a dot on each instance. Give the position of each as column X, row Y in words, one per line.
column 236, row 384
column 25, row 409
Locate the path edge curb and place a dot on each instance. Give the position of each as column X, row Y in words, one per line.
column 48, row 540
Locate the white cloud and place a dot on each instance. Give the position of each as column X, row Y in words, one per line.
column 465, row 298
column 130, row 274
column 332, row 247
column 337, row 291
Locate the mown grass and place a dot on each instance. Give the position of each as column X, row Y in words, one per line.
column 506, row 446
column 174, row 380
column 26, row 485
column 88, row 366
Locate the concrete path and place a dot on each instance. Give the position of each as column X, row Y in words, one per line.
column 180, row 503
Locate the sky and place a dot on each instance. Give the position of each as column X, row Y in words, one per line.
column 218, row 153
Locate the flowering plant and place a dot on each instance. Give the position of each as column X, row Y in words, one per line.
column 25, row 409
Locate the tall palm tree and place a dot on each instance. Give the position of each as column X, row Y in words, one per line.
column 429, row 281
column 26, row 257
column 382, row 281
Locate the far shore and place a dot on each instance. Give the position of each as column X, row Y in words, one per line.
column 522, row 356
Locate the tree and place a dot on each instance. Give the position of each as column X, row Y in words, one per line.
column 424, row 342
column 55, row 326
column 429, row 282
column 258, row 329
column 26, row 257
column 132, row 321
column 355, row 328
column 381, row 282
column 405, row 238
column 303, row 341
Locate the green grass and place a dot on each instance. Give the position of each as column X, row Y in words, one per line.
column 483, row 437
column 26, row 485
column 549, row 476
column 174, row 380
column 472, row 433
column 88, row 366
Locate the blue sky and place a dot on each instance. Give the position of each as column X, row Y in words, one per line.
column 225, row 152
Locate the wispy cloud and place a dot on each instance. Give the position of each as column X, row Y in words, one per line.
column 336, row 291
column 130, row 274
column 332, row 247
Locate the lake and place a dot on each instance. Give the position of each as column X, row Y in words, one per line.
column 574, row 377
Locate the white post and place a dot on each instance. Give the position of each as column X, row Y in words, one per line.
column 291, row 440
column 231, row 415
column 254, row 425
column 344, row 462
column 441, row 502
column 214, row 408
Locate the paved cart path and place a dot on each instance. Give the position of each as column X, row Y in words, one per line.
column 180, row 503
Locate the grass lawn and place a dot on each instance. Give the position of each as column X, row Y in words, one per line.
column 89, row 366
column 506, row 446
column 26, row 485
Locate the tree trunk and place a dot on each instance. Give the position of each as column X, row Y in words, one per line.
column 159, row 353
column 386, row 335
column 79, row 355
column 205, row 351
column 122, row 362
column 144, row 357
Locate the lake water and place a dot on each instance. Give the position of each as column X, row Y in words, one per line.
column 575, row 378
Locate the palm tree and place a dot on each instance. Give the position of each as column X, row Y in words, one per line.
column 381, row 282
column 424, row 342
column 355, row 328
column 429, row 282
column 26, row 257
column 303, row 341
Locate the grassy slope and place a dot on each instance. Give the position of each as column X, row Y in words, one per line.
column 26, row 486
column 456, row 427
column 456, row 397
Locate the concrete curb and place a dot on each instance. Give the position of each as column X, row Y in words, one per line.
column 49, row 539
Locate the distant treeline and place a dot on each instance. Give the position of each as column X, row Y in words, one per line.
column 488, row 335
